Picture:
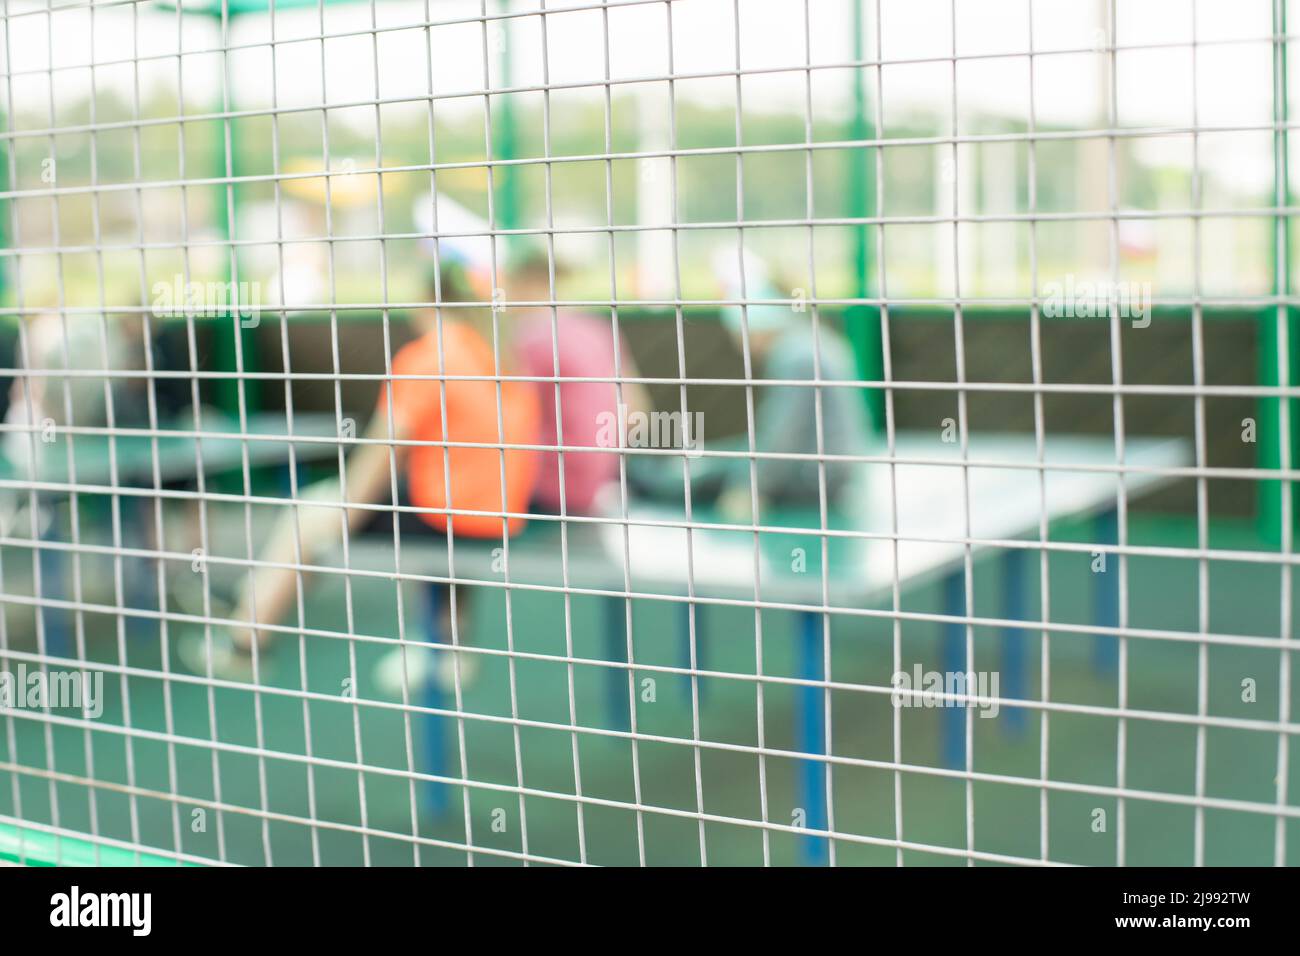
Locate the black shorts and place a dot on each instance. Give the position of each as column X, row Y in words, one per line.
column 380, row 522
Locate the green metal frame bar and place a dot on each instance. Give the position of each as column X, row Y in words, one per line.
column 5, row 213
column 505, row 138
column 38, row 848
column 228, row 326
column 212, row 8
column 1275, row 323
column 862, row 323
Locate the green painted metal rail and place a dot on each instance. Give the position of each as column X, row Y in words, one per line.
column 28, row 847
column 862, row 323
column 1279, row 357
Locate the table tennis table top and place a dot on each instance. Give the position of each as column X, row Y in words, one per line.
column 941, row 504
column 94, row 456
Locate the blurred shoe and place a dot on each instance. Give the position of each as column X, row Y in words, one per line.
column 413, row 661
column 445, row 671
column 421, row 665
column 227, row 660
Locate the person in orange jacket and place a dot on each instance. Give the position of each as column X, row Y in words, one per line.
column 457, row 486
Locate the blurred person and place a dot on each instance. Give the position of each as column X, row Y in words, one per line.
column 431, row 476
column 585, row 347
column 782, row 347
column 71, row 378
column 43, row 401
column 52, row 343
column 528, row 341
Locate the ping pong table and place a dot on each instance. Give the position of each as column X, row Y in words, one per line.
column 935, row 504
column 102, row 464
column 221, row 443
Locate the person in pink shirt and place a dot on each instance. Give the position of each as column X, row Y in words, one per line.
column 586, row 346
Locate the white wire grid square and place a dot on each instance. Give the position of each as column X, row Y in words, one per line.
column 686, row 683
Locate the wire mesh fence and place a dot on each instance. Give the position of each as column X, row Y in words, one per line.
column 449, row 432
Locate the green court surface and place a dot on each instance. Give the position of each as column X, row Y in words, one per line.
column 1240, row 763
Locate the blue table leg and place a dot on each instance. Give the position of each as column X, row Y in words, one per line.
column 434, row 741
column 685, row 656
column 53, row 571
column 139, row 581
column 954, row 662
column 1014, row 665
column 1105, row 596
column 810, row 737
column 617, row 703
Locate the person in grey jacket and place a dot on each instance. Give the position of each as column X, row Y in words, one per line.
column 785, row 346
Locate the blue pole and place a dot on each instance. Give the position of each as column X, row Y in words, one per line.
column 685, row 644
column 810, row 737
column 1105, row 596
column 954, row 661
column 140, row 587
column 53, row 573
column 616, row 697
column 435, row 751
column 56, row 630
column 1014, row 666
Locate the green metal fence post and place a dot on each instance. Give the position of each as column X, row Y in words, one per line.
column 862, row 322
column 1278, row 365
column 507, row 137
column 229, row 324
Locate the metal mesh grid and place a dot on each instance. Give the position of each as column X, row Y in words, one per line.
column 684, row 676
